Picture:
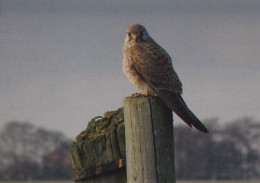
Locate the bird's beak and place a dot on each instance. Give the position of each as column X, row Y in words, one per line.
column 134, row 36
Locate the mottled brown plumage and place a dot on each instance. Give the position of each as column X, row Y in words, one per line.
column 149, row 67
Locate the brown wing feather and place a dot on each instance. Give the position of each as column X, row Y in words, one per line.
column 176, row 103
column 155, row 66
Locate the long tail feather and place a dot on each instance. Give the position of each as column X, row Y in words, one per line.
column 176, row 103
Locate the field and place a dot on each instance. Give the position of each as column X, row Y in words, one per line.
column 176, row 182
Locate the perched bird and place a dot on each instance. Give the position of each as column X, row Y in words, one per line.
column 149, row 67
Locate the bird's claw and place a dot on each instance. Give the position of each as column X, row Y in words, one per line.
column 138, row 95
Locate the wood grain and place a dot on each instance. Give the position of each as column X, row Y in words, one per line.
column 149, row 141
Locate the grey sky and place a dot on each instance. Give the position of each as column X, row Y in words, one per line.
column 60, row 60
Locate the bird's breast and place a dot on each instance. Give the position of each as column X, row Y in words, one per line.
column 133, row 76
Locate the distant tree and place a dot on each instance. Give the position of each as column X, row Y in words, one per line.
column 245, row 134
column 22, row 147
column 57, row 164
column 24, row 139
column 227, row 152
column 21, row 169
column 230, row 151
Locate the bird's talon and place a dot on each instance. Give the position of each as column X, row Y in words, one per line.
column 138, row 95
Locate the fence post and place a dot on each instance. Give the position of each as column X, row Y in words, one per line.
column 149, row 141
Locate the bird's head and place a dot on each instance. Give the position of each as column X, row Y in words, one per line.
column 136, row 33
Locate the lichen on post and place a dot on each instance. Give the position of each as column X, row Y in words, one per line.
column 99, row 151
column 140, row 133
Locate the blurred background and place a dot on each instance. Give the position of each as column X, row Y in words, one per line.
column 60, row 66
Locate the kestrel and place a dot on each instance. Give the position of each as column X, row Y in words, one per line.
column 149, row 67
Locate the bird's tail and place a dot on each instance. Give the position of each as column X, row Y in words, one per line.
column 176, row 103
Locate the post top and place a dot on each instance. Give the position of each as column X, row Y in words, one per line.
column 142, row 99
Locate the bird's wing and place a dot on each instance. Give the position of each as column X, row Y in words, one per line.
column 154, row 64
column 176, row 103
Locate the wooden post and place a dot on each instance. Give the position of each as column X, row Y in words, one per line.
column 98, row 155
column 149, row 141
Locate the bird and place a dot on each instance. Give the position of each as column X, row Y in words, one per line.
column 149, row 67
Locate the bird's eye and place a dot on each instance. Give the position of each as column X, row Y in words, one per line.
column 129, row 34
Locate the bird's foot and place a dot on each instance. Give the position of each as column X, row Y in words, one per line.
column 139, row 95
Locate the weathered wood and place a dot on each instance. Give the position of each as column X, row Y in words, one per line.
column 85, row 173
column 99, row 151
column 118, row 176
column 149, row 141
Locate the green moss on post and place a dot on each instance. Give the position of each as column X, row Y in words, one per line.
column 142, row 134
column 97, row 155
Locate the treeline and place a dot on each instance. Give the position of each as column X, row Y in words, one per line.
column 230, row 151
column 31, row 153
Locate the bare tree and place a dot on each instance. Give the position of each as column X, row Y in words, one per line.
column 22, row 147
column 227, row 152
